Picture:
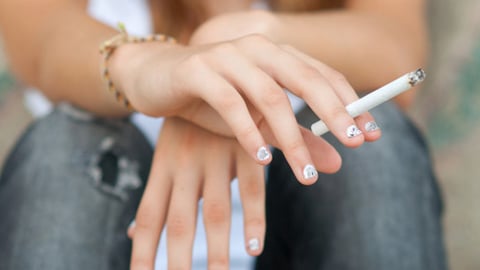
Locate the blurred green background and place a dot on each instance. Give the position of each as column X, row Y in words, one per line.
column 447, row 110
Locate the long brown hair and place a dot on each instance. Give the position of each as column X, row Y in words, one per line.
column 173, row 16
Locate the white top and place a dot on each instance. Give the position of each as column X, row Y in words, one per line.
column 136, row 16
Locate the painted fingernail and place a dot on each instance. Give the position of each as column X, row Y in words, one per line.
column 371, row 126
column 132, row 224
column 353, row 131
column 130, row 229
column 309, row 172
column 253, row 244
column 263, row 153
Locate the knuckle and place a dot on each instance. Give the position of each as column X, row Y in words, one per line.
column 261, row 123
column 177, row 226
column 295, row 146
column 190, row 64
column 248, row 132
column 188, row 67
column 265, row 85
column 215, row 212
column 273, row 98
column 255, row 222
column 310, row 73
column 223, row 49
column 178, row 267
column 254, row 188
column 287, row 47
column 338, row 78
column 228, row 102
column 336, row 113
column 257, row 39
column 218, row 262
column 144, row 217
column 140, row 263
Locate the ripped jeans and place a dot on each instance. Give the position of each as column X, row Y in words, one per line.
column 59, row 207
column 71, row 186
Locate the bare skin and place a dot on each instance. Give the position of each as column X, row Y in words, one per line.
column 135, row 68
column 399, row 46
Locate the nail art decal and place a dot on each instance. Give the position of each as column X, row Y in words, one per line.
column 253, row 244
column 263, row 153
column 353, row 131
column 371, row 126
column 309, row 172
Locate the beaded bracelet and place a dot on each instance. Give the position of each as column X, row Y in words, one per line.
column 107, row 49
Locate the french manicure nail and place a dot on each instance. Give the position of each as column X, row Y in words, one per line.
column 263, row 153
column 353, row 131
column 309, row 172
column 253, row 244
column 371, row 126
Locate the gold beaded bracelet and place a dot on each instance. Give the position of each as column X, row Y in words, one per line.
column 107, row 49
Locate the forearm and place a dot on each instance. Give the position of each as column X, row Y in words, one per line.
column 68, row 66
column 369, row 49
column 57, row 50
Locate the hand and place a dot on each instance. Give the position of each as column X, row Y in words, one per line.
column 191, row 163
column 235, row 25
column 243, row 81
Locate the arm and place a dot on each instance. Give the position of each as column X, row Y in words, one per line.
column 370, row 41
column 208, row 84
column 191, row 163
column 56, row 50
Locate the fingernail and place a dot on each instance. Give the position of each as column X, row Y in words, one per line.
column 263, row 153
column 353, row 131
column 132, row 224
column 253, row 244
column 309, row 172
column 130, row 229
column 371, row 126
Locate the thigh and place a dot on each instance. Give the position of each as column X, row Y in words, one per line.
column 382, row 210
column 68, row 191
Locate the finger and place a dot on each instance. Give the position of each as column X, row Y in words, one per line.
column 150, row 217
column 272, row 102
column 345, row 92
column 309, row 84
column 217, row 209
column 226, row 100
column 325, row 157
column 365, row 121
column 252, row 192
column 131, row 230
column 181, row 220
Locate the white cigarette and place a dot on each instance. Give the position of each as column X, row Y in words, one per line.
column 376, row 98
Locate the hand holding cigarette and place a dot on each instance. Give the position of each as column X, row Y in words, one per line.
column 376, row 98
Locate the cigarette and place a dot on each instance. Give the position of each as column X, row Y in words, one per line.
column 376, row 98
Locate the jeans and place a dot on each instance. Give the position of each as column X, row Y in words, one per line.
column 73, row 182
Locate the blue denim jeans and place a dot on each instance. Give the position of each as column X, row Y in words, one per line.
column 382, row 210
column 73, row 182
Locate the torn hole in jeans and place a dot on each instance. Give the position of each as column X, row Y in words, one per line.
column 113, row 172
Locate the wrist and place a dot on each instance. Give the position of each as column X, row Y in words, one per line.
column 107, row 50
column 266, row 23
column 124, row 63
column 236, row 25
column 129, row 63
